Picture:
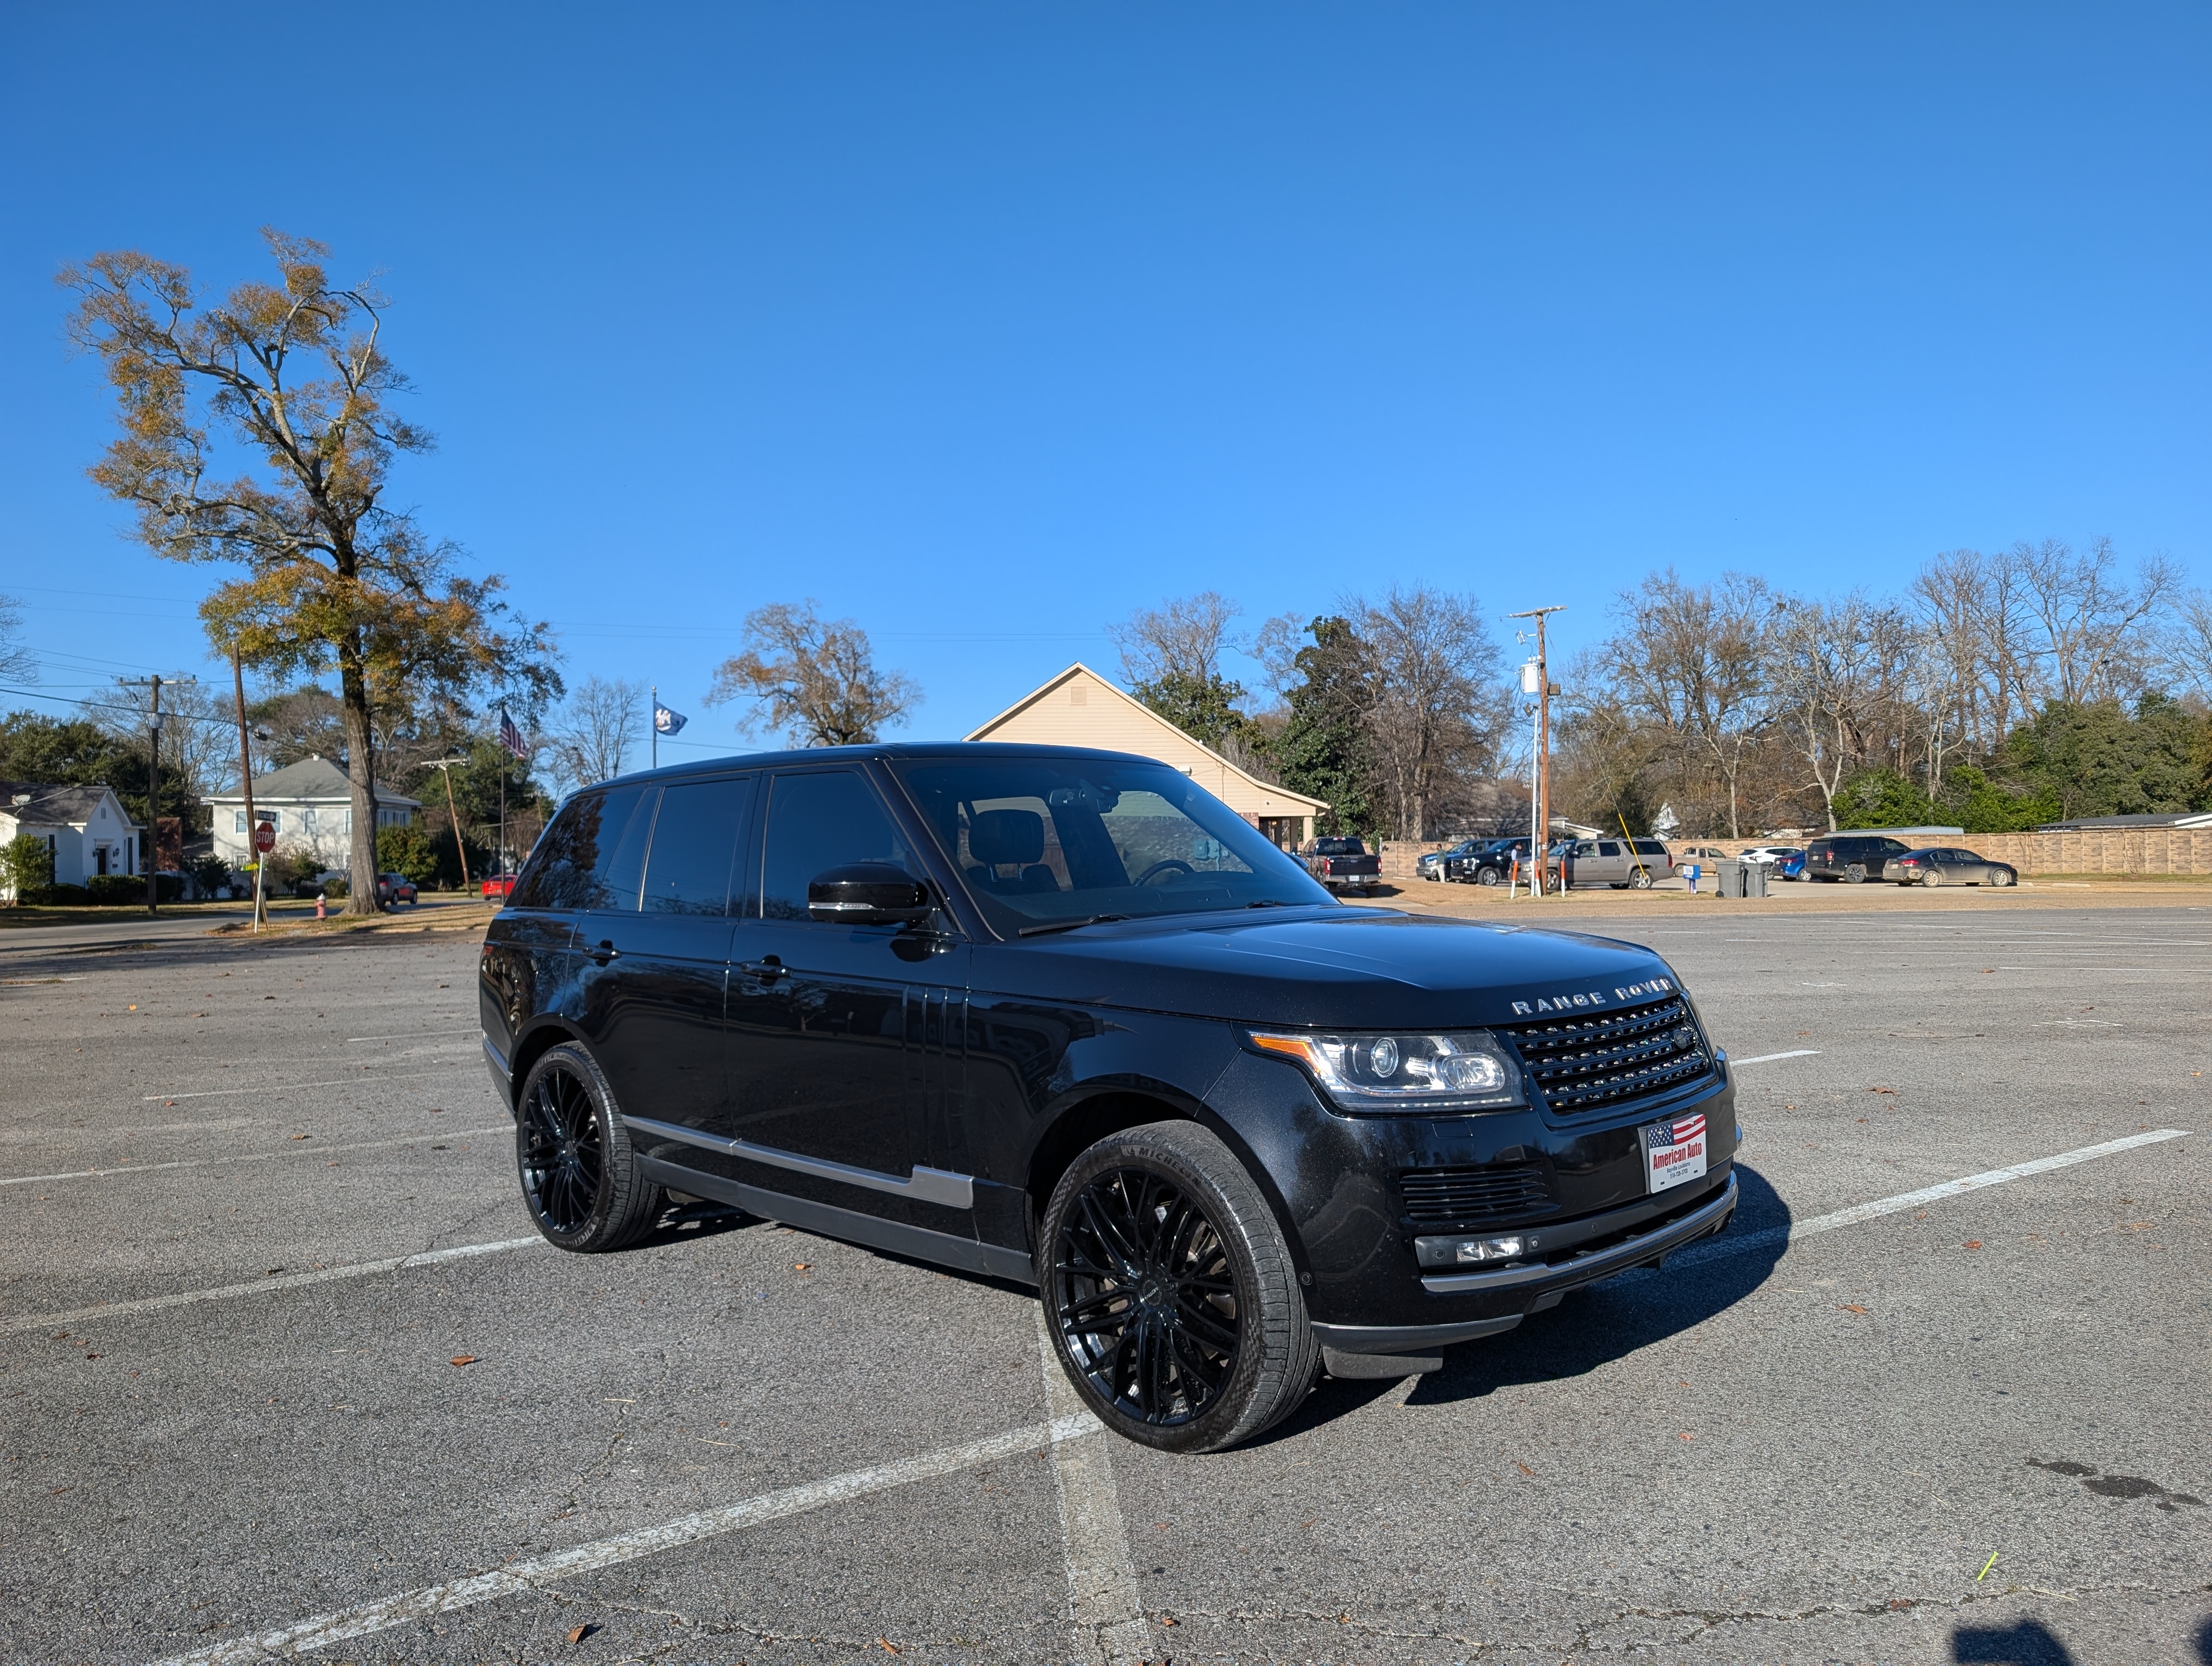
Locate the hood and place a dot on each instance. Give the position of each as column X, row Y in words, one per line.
column 1362, row 968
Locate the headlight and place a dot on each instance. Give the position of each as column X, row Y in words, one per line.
column 1466, row 1070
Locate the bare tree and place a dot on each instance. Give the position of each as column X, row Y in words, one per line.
column 1181, row 639
column 817, row 681
column 16, row 660
column 595, row 731
column 2187, row 648
column 336, row 579
column 1691, row 659
column 1841, row 677
column 199, row 738
column 2091, row 617
column 1436, row 708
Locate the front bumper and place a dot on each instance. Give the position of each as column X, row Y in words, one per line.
column 1534, row 1288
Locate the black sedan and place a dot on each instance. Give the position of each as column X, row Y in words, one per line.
column 1942, row 865
column 1065, row 1018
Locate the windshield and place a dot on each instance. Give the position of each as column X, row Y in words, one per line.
column 1047, row 840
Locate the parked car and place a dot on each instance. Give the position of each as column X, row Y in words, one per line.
column 1946, row 865
column 1851, row 858
column 1704, row 855
column 1492, row 862
column 1618, row 863
column 395, row 888
column 1139, row 1058
column 499, row 884
column 1438, row 865
column 1342, row 863
column 1783, row 862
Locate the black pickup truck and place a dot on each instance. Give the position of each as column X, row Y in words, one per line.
column 1342, row 864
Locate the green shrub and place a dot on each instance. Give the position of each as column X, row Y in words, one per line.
column 118, row 889
column 26, row 863
column 407, row 850
column 212, row 872
column 54, row 895
column 337, row 890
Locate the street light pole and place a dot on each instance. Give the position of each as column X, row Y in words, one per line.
column 1543, row 771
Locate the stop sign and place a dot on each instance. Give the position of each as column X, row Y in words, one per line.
column 264, row 837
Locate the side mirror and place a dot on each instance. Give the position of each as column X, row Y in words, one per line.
column 867, row 894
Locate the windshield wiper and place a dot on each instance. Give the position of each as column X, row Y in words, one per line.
column 1271, row 902
column 1069, row 925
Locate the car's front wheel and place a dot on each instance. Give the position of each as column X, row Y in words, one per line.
column 2001, row 876
column 1173, row 1303
column 1489, row 876
column 580, row 1178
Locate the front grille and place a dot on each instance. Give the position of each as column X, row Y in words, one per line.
column 1468, row 1197
column 1588, row 1063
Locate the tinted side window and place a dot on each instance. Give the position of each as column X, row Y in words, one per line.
column 821, row 821
column 625, row 826
column 696, row 840
column 569, row 868
column 1649, row 848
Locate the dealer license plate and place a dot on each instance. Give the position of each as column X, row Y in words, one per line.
column 1673, row 1151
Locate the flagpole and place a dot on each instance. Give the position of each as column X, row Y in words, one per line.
column 505, row 758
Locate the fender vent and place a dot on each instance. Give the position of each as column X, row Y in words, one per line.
column 1471, row 1197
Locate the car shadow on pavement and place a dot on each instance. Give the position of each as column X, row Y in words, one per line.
column 2027, row 1643
column 1615, row 1318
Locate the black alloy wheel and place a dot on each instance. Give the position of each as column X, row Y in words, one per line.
column 1175, row 1306
column 580, row 1178
column 1855, row 874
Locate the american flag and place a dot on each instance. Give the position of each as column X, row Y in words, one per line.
column 1678, row 1132
column 509, row 736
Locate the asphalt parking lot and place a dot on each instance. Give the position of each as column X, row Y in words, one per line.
column 287, row 1374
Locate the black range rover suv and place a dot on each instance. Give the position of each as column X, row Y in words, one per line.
column 1062, row 1017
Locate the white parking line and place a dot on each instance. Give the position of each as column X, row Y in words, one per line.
column 261, row 1287
column 254, row 1156
column 294, row 1087
column 419, row 1034
column 1102, row 1581
column 524, row 1579
column 1721, row 1248
column 1769, row 1058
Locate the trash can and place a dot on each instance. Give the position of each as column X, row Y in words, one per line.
column 1728, row 877
column 1754, row 879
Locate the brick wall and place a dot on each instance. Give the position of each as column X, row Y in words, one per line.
column 2115, row 850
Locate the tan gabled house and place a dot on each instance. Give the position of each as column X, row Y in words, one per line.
column 1080, row 707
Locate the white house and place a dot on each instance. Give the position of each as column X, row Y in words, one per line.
column 84, row 827
column 310, row 804
column 1080, row 707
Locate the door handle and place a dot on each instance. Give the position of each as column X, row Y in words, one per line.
column 767, row 969
column 605, row 953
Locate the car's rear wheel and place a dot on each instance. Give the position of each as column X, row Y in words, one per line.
column 1173, row 1303
column 579, row 1176
column 1931, row 877
column 1855, row 874
column 1641, row 879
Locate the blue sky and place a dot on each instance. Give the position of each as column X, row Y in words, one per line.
column 985, row 325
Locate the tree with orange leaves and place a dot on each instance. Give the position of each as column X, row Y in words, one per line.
column 291, row 375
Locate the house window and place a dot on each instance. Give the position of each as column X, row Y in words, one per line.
column 238, row 824
column 307, row 822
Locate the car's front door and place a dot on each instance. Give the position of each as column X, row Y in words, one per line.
column 842, row 1039
column 1611, row 867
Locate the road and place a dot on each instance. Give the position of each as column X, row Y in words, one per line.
column 236, row 1429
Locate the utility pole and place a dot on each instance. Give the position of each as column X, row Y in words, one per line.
column 245, row 774
column 445, row 767
column 151, row 853
column 1543, row 771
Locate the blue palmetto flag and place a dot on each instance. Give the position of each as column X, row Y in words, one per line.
column 665, row 721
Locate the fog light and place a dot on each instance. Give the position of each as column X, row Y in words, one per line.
column 1506, row 1249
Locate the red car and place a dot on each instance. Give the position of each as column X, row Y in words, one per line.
column 500, row 886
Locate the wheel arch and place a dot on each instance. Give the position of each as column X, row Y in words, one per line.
column 533, row 1044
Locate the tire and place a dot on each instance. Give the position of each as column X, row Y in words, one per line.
column 1855, row 874
column 1640, row 880
column 1210, row 1343
column 1489, row 876
column 1931, row 878
column 580, row 1178
column 2001, row 876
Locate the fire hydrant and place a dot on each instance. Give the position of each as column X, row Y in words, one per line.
column 319, row 913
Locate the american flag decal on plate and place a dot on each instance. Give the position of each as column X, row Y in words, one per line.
column 1673, row 1151
column 1661, row 1135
